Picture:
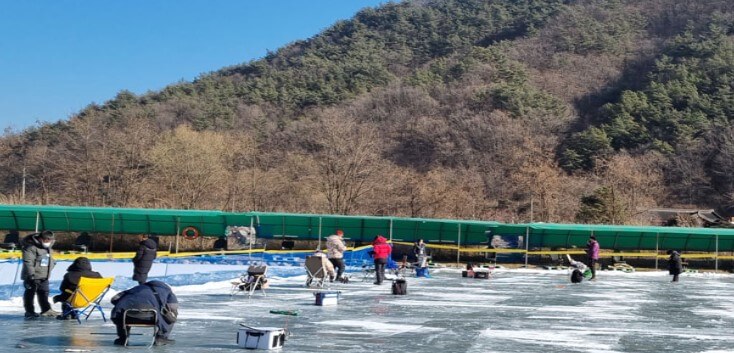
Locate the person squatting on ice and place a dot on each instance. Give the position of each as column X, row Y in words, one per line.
column 151, row 295
column 143, row 260
column 675, row 264
column 592, row 252
column 381, row 250
column 81, row 267
column 38, row 262
column 335, row 252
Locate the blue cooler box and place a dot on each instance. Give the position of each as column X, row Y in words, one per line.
column 422, row 272
column 327, row 298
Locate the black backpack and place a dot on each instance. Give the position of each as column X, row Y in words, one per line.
column 399, row 287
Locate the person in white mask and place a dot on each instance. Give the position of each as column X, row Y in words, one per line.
column 38, row 263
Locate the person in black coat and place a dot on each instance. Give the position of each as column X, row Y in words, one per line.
column 675, row 264
column 81, row 267
column 151, row 295
column 143, row 260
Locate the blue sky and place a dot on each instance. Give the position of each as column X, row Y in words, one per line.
column 57, row 56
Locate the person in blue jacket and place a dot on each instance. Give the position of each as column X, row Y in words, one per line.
column 150, row 295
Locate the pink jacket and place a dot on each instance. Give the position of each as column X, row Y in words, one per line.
column 592, row 249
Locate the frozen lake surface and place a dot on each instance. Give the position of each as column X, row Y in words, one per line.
column 515, row 311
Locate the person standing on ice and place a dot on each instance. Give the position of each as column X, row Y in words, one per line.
column 592, row 252
column 381, row 252
column 675, row 264
column 38, row 263
column 335, row 252
column 143, row 260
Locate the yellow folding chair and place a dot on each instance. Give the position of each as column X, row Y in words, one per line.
column 87, row 297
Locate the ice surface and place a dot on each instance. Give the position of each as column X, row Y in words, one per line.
column 516, row 311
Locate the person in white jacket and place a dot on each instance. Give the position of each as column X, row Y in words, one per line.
column 335, row 252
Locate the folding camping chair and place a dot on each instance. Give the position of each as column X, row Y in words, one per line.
column 140, row 318
column 368, row 273
column 87, row 297
column 315, row 271
column 254, row 280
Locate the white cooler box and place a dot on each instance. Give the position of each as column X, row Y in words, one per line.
column 327, row 298
column 260, row 337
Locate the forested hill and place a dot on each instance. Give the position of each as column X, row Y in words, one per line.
column 555, row 110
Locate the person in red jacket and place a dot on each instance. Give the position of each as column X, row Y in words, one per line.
column 381, row 250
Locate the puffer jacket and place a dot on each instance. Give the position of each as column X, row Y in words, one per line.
column 335, row 247
column 38, row 261
column 381, row 248
column 592, row 249
column 675, row 264
column 143, row 259
column 81, row 267
column 143, row 297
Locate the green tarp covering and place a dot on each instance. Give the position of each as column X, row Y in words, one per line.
column 547, row 235
column 114, row 220
column 365, row 228
column 213, row 223
column 106, row 220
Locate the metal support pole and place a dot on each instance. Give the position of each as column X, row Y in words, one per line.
column 716, row 259
column 112, row 232
column 527, row 245
column 250, row 240
column 458, row 246
column 178, row 232
column 657, row 248
column 38, row 218
column 319, row 233
column 390, row 229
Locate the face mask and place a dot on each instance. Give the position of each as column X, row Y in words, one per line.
column 47, row 245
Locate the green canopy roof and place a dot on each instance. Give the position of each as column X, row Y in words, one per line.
column 547, row 235
column 213, row 223
column 357, row 228
column 365, row 228
column 115, row 220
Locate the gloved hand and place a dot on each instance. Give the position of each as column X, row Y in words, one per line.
column 29, row 283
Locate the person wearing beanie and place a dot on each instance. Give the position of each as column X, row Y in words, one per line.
column 38, row 262
column 592, row 251
column 675, row 264
column 81, row 267
column 335, row 252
